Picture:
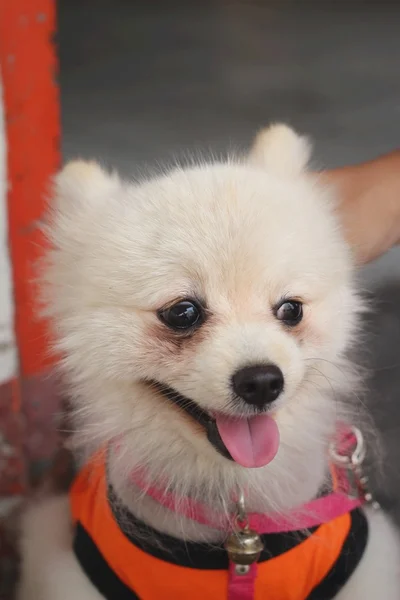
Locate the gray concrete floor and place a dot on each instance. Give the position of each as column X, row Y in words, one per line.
column 144, row 82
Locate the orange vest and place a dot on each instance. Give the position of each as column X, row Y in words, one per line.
column 294, row 566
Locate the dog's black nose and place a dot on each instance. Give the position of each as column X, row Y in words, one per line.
column 258, row 385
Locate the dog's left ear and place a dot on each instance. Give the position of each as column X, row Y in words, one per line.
column 281, row 151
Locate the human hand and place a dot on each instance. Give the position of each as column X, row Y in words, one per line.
column 369, row 204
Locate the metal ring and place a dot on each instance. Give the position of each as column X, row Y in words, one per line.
column 241, row 524
column 357, row 456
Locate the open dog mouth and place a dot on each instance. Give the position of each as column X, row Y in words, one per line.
column 249, row 441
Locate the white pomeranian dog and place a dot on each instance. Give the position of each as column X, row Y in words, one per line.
column 203, row 319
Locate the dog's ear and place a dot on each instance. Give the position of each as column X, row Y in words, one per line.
column 82, row 184
column 281, row 151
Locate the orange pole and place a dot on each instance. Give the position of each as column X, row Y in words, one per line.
column 29, row 69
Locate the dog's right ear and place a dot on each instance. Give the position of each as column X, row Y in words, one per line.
column 82, row 184
column 280, row 151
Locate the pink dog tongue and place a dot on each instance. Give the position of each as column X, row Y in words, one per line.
column 251, row 442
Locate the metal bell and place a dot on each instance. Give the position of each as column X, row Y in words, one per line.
column 244, row 546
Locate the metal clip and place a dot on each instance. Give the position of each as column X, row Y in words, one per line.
column 241, row 515
column 350, row 462
column 356, row 457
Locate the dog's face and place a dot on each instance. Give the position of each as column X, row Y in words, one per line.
column 199, row 314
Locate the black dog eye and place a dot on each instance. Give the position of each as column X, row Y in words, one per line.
column 290, row 312
column 182, row 315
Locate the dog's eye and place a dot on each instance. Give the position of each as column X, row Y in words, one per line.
column 290, row 312
column 182, row 315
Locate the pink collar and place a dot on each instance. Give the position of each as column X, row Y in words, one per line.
column 314, row 513
column 340, row 501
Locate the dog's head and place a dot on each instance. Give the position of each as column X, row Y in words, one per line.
column 203, row 315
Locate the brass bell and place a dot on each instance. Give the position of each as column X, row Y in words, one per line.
column 244, row 546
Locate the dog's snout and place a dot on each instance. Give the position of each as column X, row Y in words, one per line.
column 258, row 385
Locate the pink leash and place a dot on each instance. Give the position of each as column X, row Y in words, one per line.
column 314, row 513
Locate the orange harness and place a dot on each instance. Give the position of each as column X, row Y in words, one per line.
column 295, row 566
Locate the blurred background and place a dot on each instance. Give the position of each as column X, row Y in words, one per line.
column 149, row 82
column 143, row 82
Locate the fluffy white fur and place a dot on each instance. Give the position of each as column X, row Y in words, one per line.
column 242, row 235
